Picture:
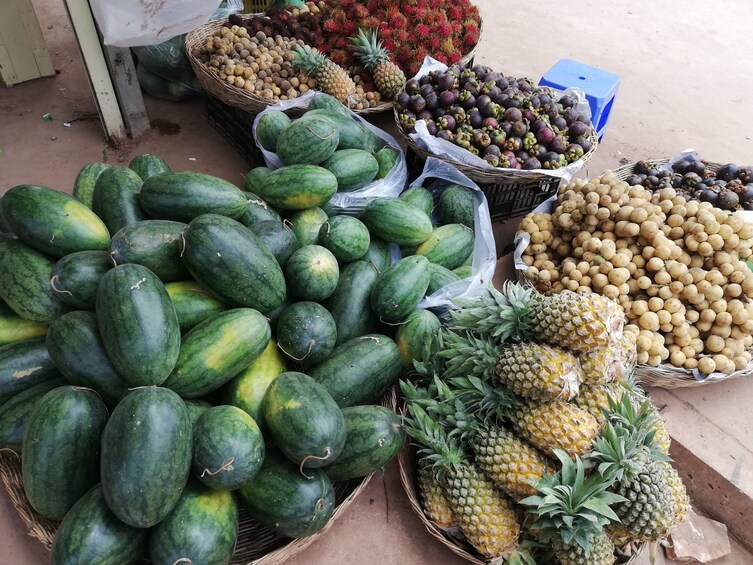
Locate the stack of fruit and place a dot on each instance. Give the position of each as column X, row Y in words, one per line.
column 676, row 266
column 729, row 187
column 150, row 324
column 549, row 429
column 509, row 122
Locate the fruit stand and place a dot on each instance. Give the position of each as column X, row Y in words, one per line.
column 188, row 358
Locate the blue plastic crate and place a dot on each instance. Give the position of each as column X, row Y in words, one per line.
column 600, row 87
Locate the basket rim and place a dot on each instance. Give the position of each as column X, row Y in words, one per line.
column 624, row 171
column 231, row 94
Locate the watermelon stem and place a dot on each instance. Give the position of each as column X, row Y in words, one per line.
column 325, row 138
column 312, row 342
column 9, row 450
column 327, row 453
column 59, row 290
column 227, row 465
column 183, row 560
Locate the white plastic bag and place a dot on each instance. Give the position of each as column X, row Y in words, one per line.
column 441, row 175
column 148, row 22
column 444, row 148
column 354, row 202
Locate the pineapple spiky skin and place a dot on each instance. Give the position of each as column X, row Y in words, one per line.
column 609, row 364
column 511, row 464
column 594, row 399
column 680, row 496
column 601, row 551
column 648, row 513
column 433, row 500
column 388, row 77
column 531, row 370
column 662, row 440
column 330, row 77
column 485, row 516
column 557, row 425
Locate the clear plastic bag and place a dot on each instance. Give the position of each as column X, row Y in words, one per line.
column 149, row 22
column 441, row 176
column 444, row 148
column 182, row 87
column 354, row 202
column 167, row 59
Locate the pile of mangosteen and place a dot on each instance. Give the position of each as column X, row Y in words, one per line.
column 730, row 187
column 508, row 122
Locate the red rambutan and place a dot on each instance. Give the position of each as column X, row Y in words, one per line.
column 330, row 26
column 455, row 13
column 402, row 36
column 470, row 39
column 361, row 11
column 398, row 22
column 471, row 27
column 444, row 29
column 440, row 57
column 338, row 56
column 457, row 28
column 422, row 31
column 349, row 28
column 392, row 11
column 390, row 45
column 435, row 43
column 435, row 4
column 372, row 22
column 347, row 4
column 453, row 58
column 385, row 32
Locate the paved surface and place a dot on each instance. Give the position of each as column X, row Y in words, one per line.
column 682, row 86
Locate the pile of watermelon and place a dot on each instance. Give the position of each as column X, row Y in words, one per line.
column 172, row 346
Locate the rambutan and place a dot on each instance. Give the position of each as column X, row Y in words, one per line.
column 470, row 39
column 398, row 22
column 386, row 32
column 444, row 29
column 338, row 56
column 390, row 45
column 372, row 22
column 422, row 31
column 374, row 6
column 347, row 4
column 453, row 58
column 440, row 57
column 435, row 43
column 447, row 46
column 402, row 36
column 330, row 26
column 341, row 42
column 471, row 27
column 457, row 28
column 455, row 13
column 435, row 4
column 361, row 11
column 392, row 11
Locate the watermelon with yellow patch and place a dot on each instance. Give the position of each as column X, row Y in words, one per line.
column 297, row 187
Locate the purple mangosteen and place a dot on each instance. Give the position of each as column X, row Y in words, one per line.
column 412, row 86
column 545, row 135
column 425, row 115
column 432, row 101
column 446, row 98
column 570, row 115
column 432, row 128
column 578, row 129
column 475, row 118
column 417, row 103
column 446, row 135
column 531, row 163
column 493, row 160
column 559, row 123
column 513, row 115
column 506, row 127
column 466, row 100
column 584, row 142
column 425, row 90
column 520, row 128
column 481, row 139
column 403, row 99
column 490, row 122
column 446, row 122
column 558, row 145
column 445, row 82
column 494, row 150
column 513, row 143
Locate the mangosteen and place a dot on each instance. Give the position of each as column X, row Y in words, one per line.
column 471, row 87
column 494, row 91
column 502, row 83
column 641, row 167
column 559, row 123
column 728, row 200
column 487, row 110
column 535, row 101
column 681, row 166
column 403, row 99
column 529, row 140
column 558, row 145
column 578, row 129
column 545, row 99
column 522, row 156
column 513, row 143
column 417, row 103
column 529, row 115
column 506, row 127
column 475, row 118
column 573, row 152
column 567, row 102
column 719, row 183
column 537, row 124
column 480, row 69
column 424, row 81
column 412, row 86
column 432, row 128
column 425, row 90
column 545, row 135
column 466, row 100
column 697, row 167
column 633, row 180
column 446, row 98
column 483, row 100
column 445, row 82
column 481, row 139
column 700, row 187
column 531, row 163
column 570, row 114
column 432, row 101
column 584, row 142
column 446, row 122
column 663, row 173
column 746, row 194
column 487, row 86
column 493, row 160
column 537, row 151
column 446, row 135
column 728, row 172
column 745, row 175
column 555, row 109
column 512, row 103
column 493, row 150
column 513, row 115
column 520, row 128
column 498, row 137
column 425, row 115
column 747, row 206
column 691, row 179
column 490, row 122
column 652, row 181
column 524, row 85
column 676, row 181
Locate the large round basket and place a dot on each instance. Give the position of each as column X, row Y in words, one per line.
column 663, row 376
column 256, row 545
column 407, row 459
column 231, row 94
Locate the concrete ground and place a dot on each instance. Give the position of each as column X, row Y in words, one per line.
column 684, row 84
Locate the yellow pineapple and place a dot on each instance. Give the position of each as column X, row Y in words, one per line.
column 680, row 498
column 330, row 77
column 531, row 370
column 580, row 322
column 609, row 364
column 433, row 500
column 557, row 425
column 388, row 77
column 595, row 399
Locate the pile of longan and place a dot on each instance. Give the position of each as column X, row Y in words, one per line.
column 678, row 268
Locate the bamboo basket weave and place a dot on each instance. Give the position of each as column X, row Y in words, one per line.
column 256, row 544
column 231, row 94
column 407, row 460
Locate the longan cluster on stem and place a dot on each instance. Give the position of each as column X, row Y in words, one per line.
column 676, row 267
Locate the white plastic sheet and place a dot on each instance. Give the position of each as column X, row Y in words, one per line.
column 355, row 201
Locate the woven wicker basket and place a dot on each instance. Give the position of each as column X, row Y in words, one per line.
column 233, row 95
column 256, row 545
column 407, row 460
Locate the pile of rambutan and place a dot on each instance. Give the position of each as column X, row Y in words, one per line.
column 410, row 29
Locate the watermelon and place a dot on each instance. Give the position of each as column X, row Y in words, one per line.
column 75, row 277
column 16, row 413
column 419, row 197
column 350, row 305
column 306, row 332
column 308, row 141
column 278, row 237
column 346, row 237
column 378, row 254
column 83, row 186
column 24, row 364
column 147, row 165
column 413, row 336
column 400, row 288
column 14, row 328
column 193, row 303
column 312, row 273
column 297, row 187
column 257, row 209
column 270, row 126
column 456, row 205
column 386, row 158
column 116, row 198
column 397, row 221
column 448, row 245
column 306, row 225
column 353, row 168
column 439, row 277
column 155, row 244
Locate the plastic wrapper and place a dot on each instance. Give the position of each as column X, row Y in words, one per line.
column 149, row 22
column 436, row 176
column 183, row 87
column 353, row 202
column 167, row 59
column 447, row 149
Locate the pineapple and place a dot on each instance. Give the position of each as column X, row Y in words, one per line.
column 680, row 498
column 330, row 77
column 636, row 411
column 572, row 511
column 557, row 425
column 595, row 399
column 435, row 504
column 485, row 516
column 578, row 322
column 609, row 364
column 388, row 77
column 532, row 370
column 624, row 453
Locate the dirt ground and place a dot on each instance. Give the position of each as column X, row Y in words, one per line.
column 686, row 82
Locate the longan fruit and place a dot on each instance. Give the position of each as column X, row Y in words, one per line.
column 706, row 365
column 677, row 358
column 649, row 321
column 714, row 343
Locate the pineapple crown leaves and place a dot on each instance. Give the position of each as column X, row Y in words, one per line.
column 431, row 363
column 489, row 402
column 466, row 353
column 619, row 453
column 369, row 49
column 571, row 506
column 638, row 418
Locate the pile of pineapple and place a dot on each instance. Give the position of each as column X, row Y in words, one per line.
column 531, row 436
column 678, row 268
